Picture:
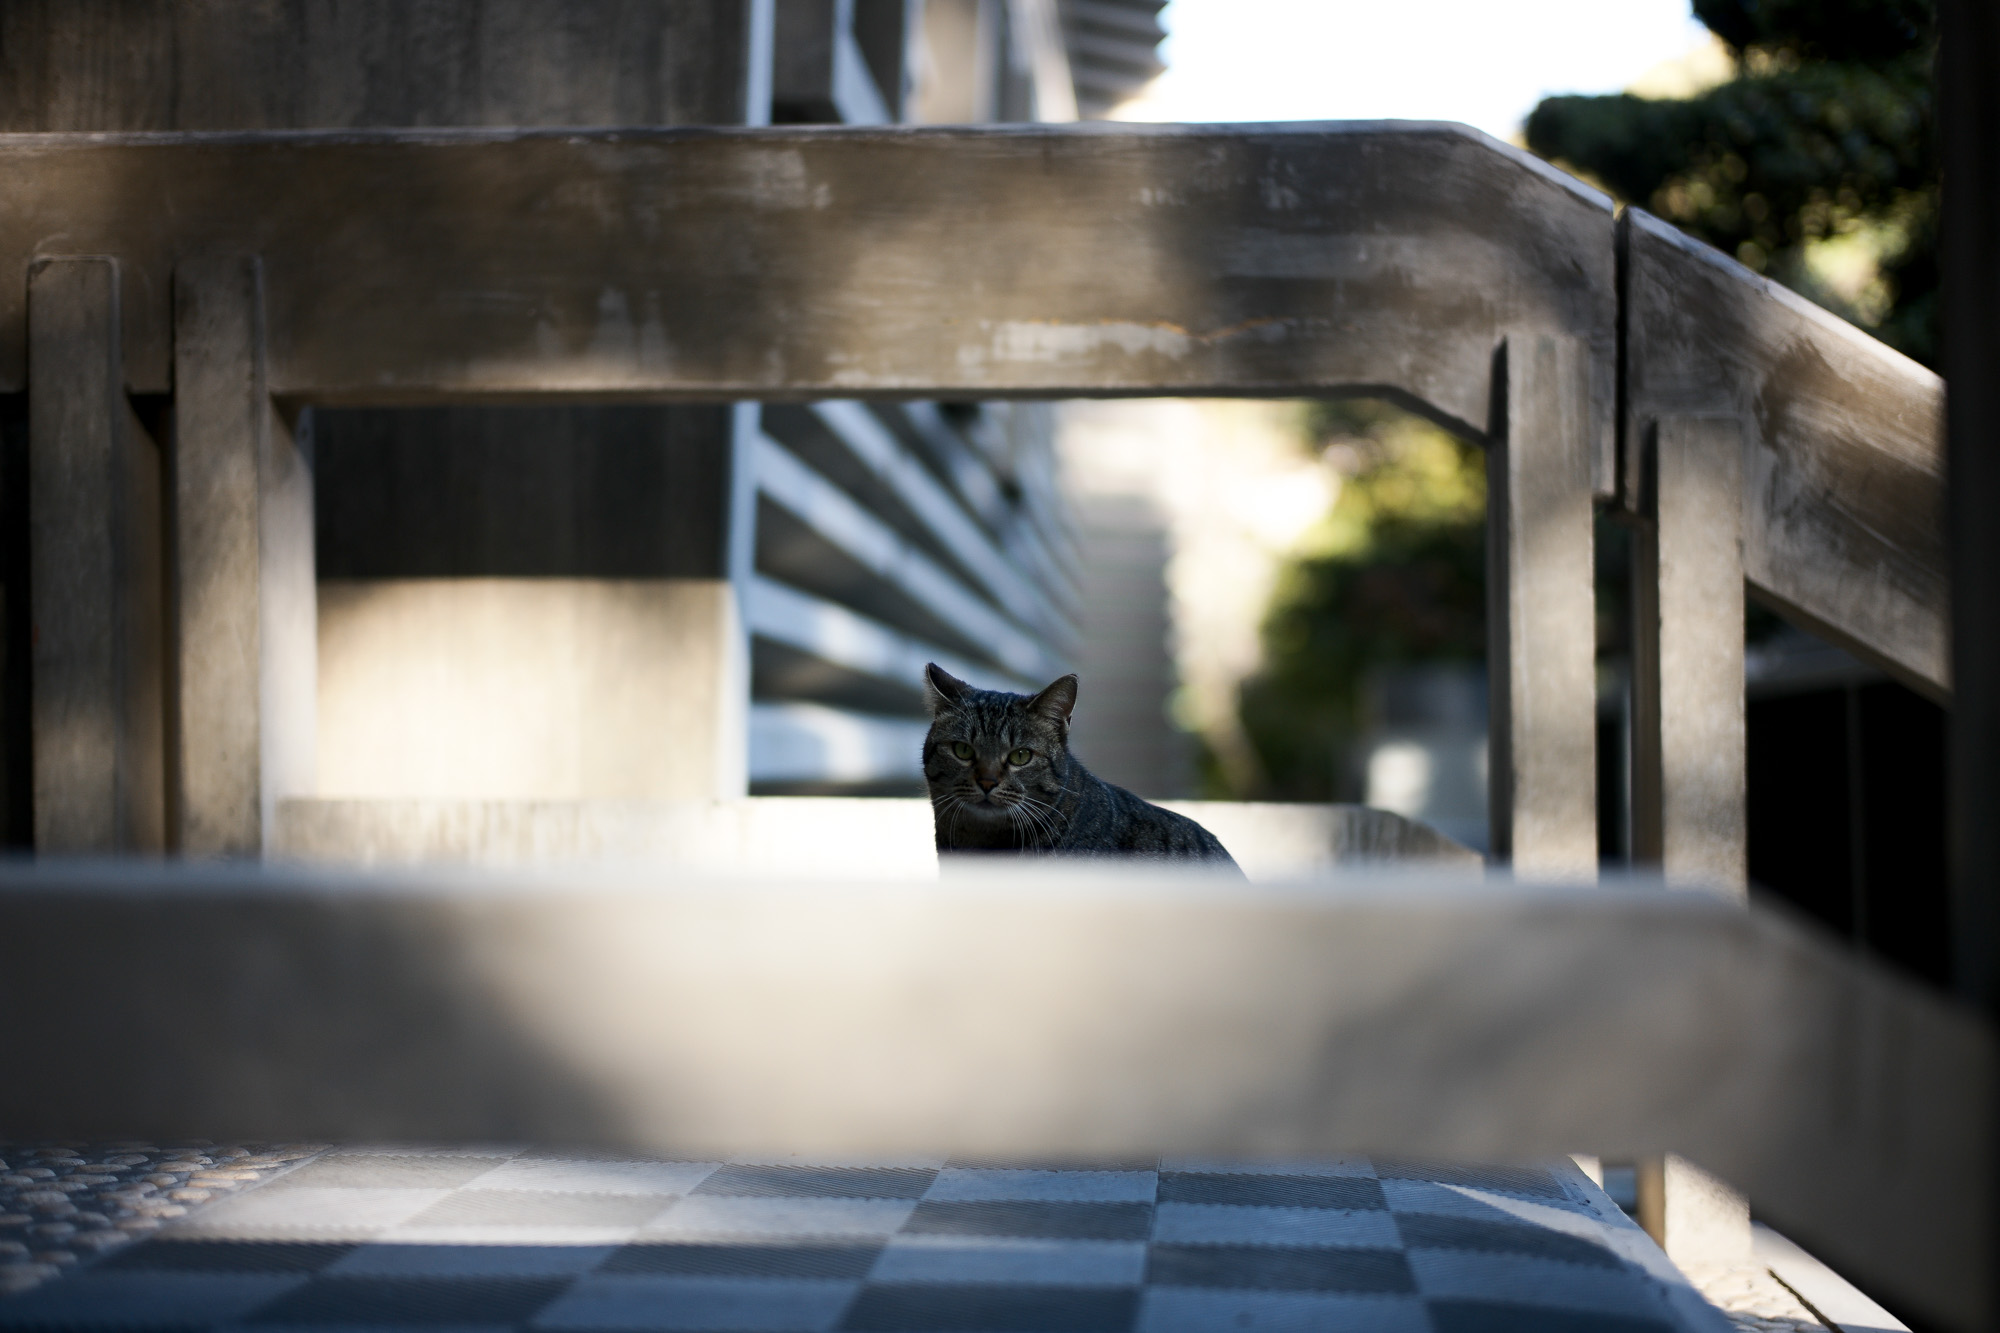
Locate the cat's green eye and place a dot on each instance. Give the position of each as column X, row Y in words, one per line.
column 961, row 749
column 1020, row 757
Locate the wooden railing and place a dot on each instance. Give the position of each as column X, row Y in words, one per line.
column 1760, row 444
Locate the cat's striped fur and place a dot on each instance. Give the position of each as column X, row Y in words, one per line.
column 1002, row 779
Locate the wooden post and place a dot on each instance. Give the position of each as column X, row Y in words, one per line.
column 1542, row 765
column 1695, row 1217
column 95, row 585
column 244, row 597
column 1688, row 772
column 1971, row 352
column 1688, row 767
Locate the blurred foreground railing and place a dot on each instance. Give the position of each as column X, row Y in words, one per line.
column 1013, row 1010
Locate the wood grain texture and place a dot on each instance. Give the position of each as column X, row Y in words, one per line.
column 220, row 427
column 294, row 64
column 95, row 575
column 1689, row 763
column 1541, row 642
column 1843, row 466
column 412, row 267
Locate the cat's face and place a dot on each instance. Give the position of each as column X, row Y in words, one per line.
column 995, row 759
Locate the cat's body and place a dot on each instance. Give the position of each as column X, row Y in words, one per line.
column 1002, row 779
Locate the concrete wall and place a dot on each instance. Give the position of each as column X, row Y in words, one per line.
column 527, row 603
column 857, row 837
column 530, row 689
column 1121, row 729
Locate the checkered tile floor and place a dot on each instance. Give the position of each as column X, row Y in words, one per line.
column 382, row 1238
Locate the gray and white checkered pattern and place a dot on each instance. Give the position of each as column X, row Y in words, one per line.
column 380, row 1238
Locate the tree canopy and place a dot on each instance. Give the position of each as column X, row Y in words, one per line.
column 1817, row 164
column 1394, row 574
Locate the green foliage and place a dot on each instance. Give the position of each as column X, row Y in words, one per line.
column 1395, row 573
column 1857, row 31
column 1828, row 134
column 1816, row 165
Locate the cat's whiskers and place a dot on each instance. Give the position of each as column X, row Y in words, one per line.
column 1045, row 814
column 949, row 803
column 1036, row 813
column 1014, row 819
column 1023, row 830
column 1052, row 833
column 1037, row 803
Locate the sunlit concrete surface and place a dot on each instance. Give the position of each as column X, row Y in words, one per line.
column 851, row 837
column 527, row 689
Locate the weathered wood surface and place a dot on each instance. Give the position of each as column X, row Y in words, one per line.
column 221, row 429
column 95, row 575
column 199, row 65
column 1066, row 1014
column 1843, row 519
column 1541, row 644
column 1689, row 758
column 407, row 267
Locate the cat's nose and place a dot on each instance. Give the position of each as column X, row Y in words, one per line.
column 987, row 784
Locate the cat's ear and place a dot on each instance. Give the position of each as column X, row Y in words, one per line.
column 1056, row 702
column 942, row 689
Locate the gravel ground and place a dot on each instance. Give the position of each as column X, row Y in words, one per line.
column 63, row 1203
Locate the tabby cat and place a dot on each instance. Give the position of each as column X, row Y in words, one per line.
column 1002, row 779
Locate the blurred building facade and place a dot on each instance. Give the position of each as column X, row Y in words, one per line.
column 628, row 601
column 1185, row 510
column 1424, row 753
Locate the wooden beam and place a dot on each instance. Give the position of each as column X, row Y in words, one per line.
column 95, row 573
column 1843, row 461
column 429, row 266
column 1689, row 812
column 482, row 62
column 1060, row 1012
column 1540, row 631
column 245, row 607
